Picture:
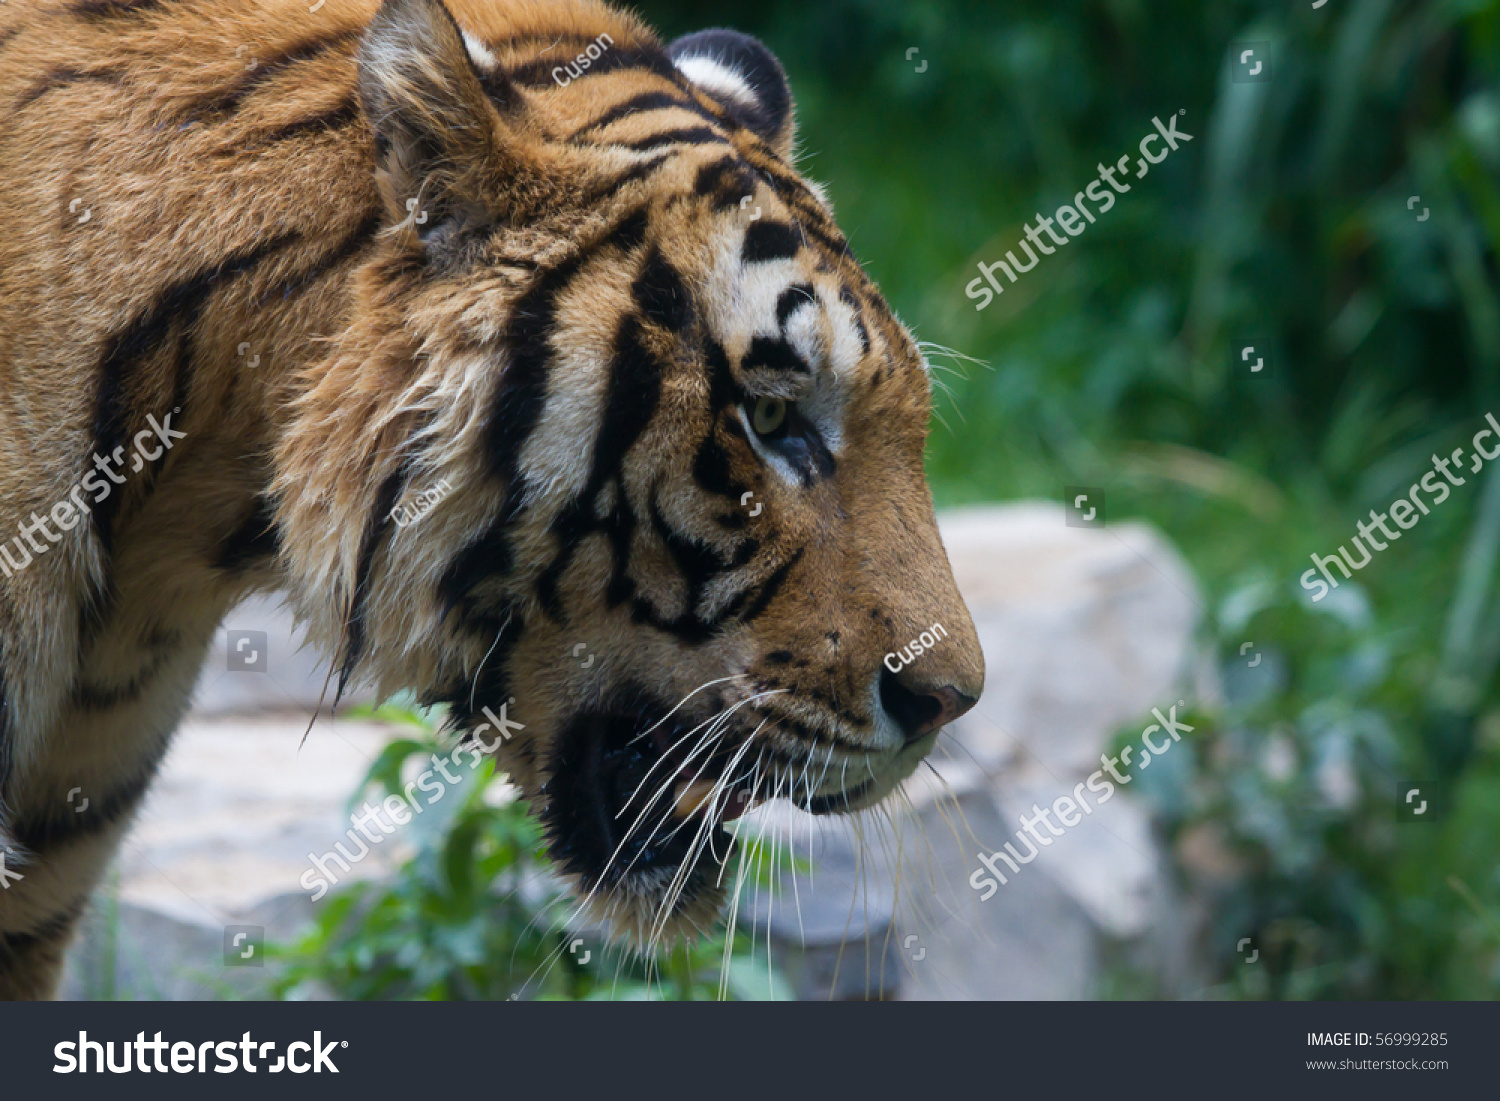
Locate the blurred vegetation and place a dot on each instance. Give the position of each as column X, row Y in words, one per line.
column 1286, row 219
column 472, row 914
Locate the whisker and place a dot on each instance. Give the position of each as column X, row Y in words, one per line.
column 690, row 695
column 720, row 783
column 474, row 684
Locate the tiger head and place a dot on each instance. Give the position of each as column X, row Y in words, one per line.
column 620, row 455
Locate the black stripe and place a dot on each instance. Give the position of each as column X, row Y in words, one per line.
column 713, row 472
column 811, row 217
column 833, row 241
column 341, row 116
column 793, row 298
column 766, row 240
column 746, row 551
column 491, row 684
column 90, row 697
column 786, row 183
column 61, row 77
column 662, row 295
column 227, row 100
column 98, row 8
column 499, row 90
column 711, row 466
column 523, row 389
column 635, row 381
column 690, row 135
column 774, row 354
column 8, row 34
column 64, row 823
column 728, row 180
column 711, row 176
column 640, row 104
column 254, row 541
column 631, row 174
column 699, row 565
column 351, row 246
column 619, row 528
column 375, row 526
column 771, row 587
column 852, row 302
column 519, row 401
column 58, row 927
column 161, row 644
column 489, row 555
column 179, row 303
column 182, row 380
column 520, row 398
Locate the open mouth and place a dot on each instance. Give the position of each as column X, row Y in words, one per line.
column 631, row 797
column 635, row 805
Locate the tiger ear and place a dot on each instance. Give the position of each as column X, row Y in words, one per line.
column 430, row 93
column 742, row 75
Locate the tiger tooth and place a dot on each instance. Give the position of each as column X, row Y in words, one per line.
column 690, row 795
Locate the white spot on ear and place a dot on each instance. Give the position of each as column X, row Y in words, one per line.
column 479, row 53
column 716, row 77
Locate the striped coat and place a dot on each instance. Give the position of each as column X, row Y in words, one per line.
column 271, row 273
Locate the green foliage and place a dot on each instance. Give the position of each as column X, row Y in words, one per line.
column 1285, row 809
column 472, row 916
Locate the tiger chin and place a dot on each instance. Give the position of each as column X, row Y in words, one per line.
column 558, row 397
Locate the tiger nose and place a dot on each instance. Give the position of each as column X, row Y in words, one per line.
column 920, row 708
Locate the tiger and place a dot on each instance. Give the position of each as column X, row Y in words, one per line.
column 505, row 340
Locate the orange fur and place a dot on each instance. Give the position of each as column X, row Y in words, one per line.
column 190, row 187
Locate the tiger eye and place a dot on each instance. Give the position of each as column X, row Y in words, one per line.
column 769, row 415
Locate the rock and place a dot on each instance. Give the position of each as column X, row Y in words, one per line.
column 1083, row 629
column 223, row 840
column 859, row 927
